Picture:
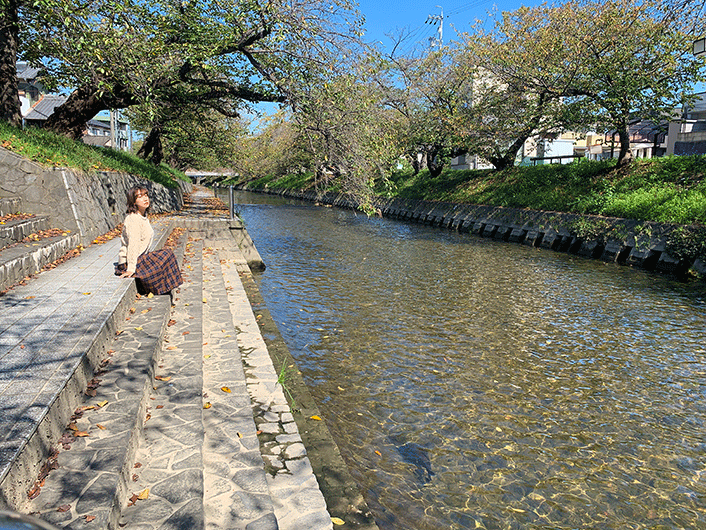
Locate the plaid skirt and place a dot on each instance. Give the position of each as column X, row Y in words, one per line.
column 157, row 271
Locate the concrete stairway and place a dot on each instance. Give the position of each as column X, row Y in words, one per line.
column 121, row 411
column 21, row 259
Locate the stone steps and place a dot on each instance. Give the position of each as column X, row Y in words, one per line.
column 172, row 437
column 20, row 259
column 54, row 335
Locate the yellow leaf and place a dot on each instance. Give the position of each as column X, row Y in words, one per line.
column 101, row 427
column 207, row 405
column 315, row 418
column 337, row 521
column 206, row 356
column 80, row 434
column 162, row 377
column 226, row 389
column 86, row 293
column 139, row 328
column 102, row 403
column 204, row 300
column 146, row 493
column 151, row 295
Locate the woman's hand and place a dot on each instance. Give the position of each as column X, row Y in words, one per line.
column 127, row 274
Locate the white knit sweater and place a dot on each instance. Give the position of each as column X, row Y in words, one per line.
column 136, row 238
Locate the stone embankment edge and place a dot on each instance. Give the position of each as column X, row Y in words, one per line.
column 343, row 497
column 640, row 244
column 89, row 204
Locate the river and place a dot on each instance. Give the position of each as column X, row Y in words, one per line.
column 471, row 383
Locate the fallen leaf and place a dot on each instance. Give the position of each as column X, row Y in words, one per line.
column 86, row 294
column 159, row 407
column 171, row 322
column 337, row 521
column 378, row 453
column 226, row 389
column 204, row 300
column 239, row 435
column 63, row 508
column 137, row 465
column 72, row 426
column 151, row 295
column 146, row 493
column 102, row 403
column 139, row 328
column 171, row 347
column 315, row 418
column 34, row 492
column 207, row 405
column 135, row 477
column 101, row 427
column 185, row 333
column 81, row 434
column 162, row 377
column 90, row 518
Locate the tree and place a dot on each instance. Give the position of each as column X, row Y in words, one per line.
column 424, row 91
column 520, row 78
column 345, row 130
column 121, row 53
column 636, row 59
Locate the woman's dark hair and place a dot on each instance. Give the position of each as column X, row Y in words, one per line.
column 132, row 194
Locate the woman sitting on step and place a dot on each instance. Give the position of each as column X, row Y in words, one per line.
column 157, row 271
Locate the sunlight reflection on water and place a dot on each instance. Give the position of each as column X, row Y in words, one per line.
column 546, row 391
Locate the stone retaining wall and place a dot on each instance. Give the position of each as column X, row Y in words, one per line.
column 628, row 242
column 87, row 204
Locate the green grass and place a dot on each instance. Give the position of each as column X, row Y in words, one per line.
column 51, row 150
column 668, row 189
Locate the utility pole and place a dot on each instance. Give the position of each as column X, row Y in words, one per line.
column 433, row 19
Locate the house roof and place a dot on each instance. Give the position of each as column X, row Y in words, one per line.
column 25, row 72
column 45, row 107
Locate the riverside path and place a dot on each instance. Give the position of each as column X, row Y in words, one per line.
column 121, row 411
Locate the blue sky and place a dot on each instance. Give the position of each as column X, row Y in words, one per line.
column 384, row 17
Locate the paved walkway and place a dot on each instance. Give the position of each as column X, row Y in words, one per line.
column 166, row 435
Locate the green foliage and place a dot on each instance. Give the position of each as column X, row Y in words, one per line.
column 670, row 189
column 687, row 243
column 51, row 150
column 587, row 228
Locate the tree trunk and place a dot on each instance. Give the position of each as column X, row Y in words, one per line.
column 83, row 104
column 625, row 155
column 434, row 162
column 152, row 146
column 10, row 107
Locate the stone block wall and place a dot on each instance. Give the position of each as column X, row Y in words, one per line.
column 87, row 204
column 623, row 241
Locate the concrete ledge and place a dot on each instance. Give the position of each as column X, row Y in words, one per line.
column 215, row 228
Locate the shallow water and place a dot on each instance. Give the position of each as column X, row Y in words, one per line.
column 471, row 383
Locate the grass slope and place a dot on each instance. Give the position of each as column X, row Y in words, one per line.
column 51, row 150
